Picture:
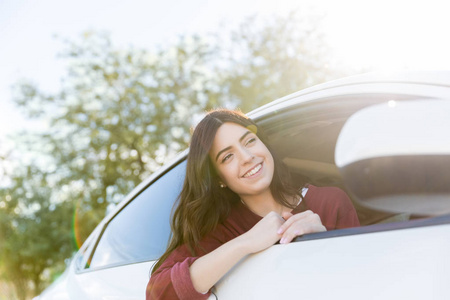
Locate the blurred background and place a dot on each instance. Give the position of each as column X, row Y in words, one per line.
column 96, row 95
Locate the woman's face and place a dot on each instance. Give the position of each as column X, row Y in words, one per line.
column 243, row 162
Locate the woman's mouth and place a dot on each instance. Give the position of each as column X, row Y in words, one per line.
column 253, row 171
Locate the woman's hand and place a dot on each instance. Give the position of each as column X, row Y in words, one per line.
column 299, row 224
column 264, row 233
column 209, row 268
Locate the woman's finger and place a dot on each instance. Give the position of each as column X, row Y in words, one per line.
column 286, row 215
column 302, row 226
column 292, row 219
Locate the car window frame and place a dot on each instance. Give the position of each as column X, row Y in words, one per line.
column 103, row 226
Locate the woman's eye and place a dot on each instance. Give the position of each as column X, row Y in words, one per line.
column 250, row 141
column 226, row 157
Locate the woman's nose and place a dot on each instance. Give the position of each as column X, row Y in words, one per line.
column 247, row 156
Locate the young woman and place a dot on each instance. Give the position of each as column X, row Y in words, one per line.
column 237, row 199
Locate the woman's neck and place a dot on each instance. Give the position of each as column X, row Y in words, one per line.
column 262, row 204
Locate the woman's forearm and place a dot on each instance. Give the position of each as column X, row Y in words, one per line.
column 207, row 270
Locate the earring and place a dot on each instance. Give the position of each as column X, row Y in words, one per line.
column 223, row 185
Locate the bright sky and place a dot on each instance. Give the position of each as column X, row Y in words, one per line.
column 383, row 34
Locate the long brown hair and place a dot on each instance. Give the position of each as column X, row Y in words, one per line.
column 202, row 204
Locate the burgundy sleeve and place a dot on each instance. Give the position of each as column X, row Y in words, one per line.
column 172, row 280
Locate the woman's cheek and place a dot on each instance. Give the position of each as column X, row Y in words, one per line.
column 231, row 172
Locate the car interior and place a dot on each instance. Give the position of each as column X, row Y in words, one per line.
column 305, row 138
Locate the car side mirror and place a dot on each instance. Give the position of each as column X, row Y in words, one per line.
column 395, row 157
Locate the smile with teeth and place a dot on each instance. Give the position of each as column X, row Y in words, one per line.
column 253, row 171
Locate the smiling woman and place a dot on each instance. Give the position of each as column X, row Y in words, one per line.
column 237, row 199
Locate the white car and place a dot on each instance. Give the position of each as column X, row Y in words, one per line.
column 383, row 138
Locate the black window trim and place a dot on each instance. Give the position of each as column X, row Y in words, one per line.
column 375, row 228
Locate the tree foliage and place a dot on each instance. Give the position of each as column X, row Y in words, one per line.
column 120, row 113
column 35, row 232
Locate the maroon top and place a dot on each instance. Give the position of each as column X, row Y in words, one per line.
column 172, row 279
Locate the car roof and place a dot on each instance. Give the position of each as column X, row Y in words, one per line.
column 437, row 78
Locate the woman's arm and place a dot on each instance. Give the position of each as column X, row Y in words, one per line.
column 185, row 277
column 208, row 269
column 182, row 276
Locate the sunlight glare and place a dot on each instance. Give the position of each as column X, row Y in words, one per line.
column 387, row 35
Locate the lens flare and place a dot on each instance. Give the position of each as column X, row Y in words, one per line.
column 76, row 227
column 252, row 129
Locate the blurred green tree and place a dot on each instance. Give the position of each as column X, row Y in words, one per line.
column 34, row 231
column 119, row 115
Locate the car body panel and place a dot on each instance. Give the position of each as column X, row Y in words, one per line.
column 106, row 284
column 398, row 264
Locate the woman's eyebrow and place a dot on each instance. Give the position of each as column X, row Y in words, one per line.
column 229, row 147
column 244, row 135
column 221, row 151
